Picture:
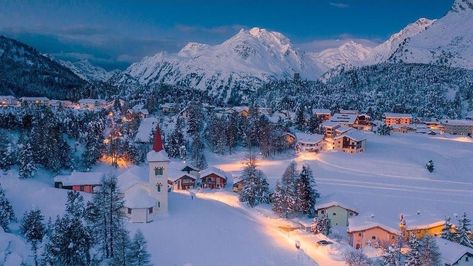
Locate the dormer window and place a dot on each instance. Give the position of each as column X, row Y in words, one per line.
column 158, row 170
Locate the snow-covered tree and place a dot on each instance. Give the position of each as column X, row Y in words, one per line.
column 321, row 225
column 300, row 121
column 123, row 245
column 138, row 253
column 7, row 215
column 26, row 164
column 313, row 126
column 305, row 191
column 7, row 153
column 383, row 130
column 392, row 256
column 448, row 232
column 197, row 153
column 430, row 166
column 75, row 204
column 33, row 230
column 255, row 186
column 413, row 256
column 175, row 141
column 357, row 258
column 430, row 253
column 463, row 231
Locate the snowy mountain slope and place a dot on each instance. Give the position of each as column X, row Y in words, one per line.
column 355, row 54
column 249, row 58
column 87, row 71
column 448, row 41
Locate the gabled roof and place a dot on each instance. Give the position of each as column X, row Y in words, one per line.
column 333, row 204
column 371, row 225
column 330, row 124
column 140, row 197
column 214, row 170
column 80, row 178
column 344, row 118
column 451, row 252
column 309, row 138
column 354, row 135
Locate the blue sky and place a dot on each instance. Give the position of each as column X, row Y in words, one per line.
column 113, row 34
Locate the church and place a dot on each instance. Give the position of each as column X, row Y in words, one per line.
column 144, row 189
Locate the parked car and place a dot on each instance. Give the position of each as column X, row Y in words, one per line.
column 323, row 243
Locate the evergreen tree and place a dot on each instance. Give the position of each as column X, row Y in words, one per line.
column 430, row 166
column 122, row 252
column 255, row 187
column 6, row 211
column 231, row 131
column 305, row 191
column 300, row 118
column 26, row 164
column 463, row 231
column 197, row 153
column 284, row 197
column 314, row 124
column 75, row 204
column 321, row 225
column 383, row 130
column 413, row 257
column 33, row 229
column 392, row 256
column 7, row 154
column 357, row 258
column 138, row 254
column 176, row 140
column 448, row 231
column 94, row 144
column 430, row 253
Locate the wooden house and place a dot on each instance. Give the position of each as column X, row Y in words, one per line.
column 213, row 178
column 350, row 142
column 391, row 119
column 79, row 181
column 457, row 126
column 322, row 114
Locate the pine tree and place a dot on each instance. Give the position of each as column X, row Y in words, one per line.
column 448, row 231
column 138, row 254
column 284, row 196
column 279, row 201
column 7, row 154
column 383, row 130
column 197, row 152
column 413, row 257
column 321, row 225
column 430, row 253
column 26, row 162
column 430, row 166
column 6, row 211
column 392, row 256
column 314, row 124
column 122, row 250
column 463, row 231
column 305, row 191
column 255, row 187
column 300, row 118
column 231, row 131
column 357, row 258
column 176, row 140
column 33, row 229
column 75, row 204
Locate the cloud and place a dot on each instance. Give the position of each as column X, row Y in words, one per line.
column 339, row 5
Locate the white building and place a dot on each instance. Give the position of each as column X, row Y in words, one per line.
column 145, row 190
column 92, row 104
column 454, row 254
column 309, row 142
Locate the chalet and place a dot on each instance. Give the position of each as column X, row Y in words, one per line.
column 391, row 119
column 309, row 142
column 169, row 108
column 238, row 183
column 337, row 213
column 183, row 177
column 350, row 142
column 322, row 114
column 92, row 104
column 213, row 178
column 79, row 181
column 454, row 254
column 34, row 101
column 457, row 126
column 433, row 125
column 369, row 233
column 289, row 138
column 59, row 103
column 363, row 122
column 8, row 101
column 329, row 128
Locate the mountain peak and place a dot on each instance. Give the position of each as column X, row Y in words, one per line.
column 462, row 5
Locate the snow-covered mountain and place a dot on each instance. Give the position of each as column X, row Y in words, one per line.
column 448, row 41
column 87, row 71
column 352, row 53
column 246, row 60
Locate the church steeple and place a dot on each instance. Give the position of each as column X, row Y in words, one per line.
column 158, row 142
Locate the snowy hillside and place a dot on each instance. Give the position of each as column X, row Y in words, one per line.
column 246, row 60
column 85, row 70
column 446, row 42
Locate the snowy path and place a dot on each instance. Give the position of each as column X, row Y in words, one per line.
column 275, row 226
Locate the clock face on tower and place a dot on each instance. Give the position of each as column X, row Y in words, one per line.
column 158, row 170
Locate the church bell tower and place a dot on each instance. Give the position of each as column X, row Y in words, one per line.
column 158, row 164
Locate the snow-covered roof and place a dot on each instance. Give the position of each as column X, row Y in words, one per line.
column 214, row 170
column 354, row 135
column 160, row 156
column 145, row 129
column 330, row 124
column 352, row 112
column 397, row 115
column 450, row 251
column 321, row 111
column 347, row 118
column 175, row 171
column 333, row 204
column 34, row 99
column 139, row 197
column 239, row 109
column 92, row 101
column 309, row 138
column 342, row 129
column 80, row 178
column 422, row 220
column 132, row 176
column 168, row 105
column 7, row 97
column 457, row 122
column 357, row 224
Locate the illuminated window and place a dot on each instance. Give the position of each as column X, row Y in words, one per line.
column 158, row 171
